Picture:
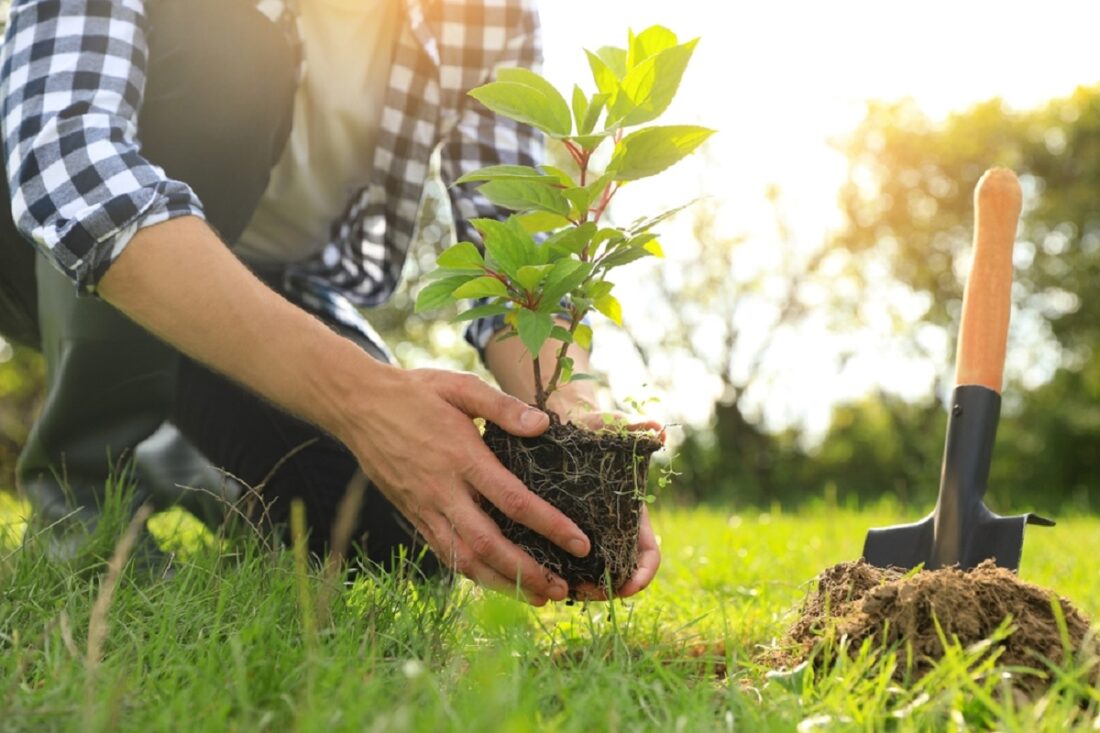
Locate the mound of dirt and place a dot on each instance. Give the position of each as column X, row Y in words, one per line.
column 861, row 601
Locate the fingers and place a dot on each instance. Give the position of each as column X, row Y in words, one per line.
column 634, row 423
column 476, row 398
column 459, row 556
column 491, row 548
column 649, row 559
column 520, row 504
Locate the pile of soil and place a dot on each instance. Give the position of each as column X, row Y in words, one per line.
column 861, row 601
column 596, row 479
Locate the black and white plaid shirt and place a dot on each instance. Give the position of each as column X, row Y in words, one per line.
column 71, row 84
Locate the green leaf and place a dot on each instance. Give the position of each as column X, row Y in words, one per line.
column 651, row 150
column 572, row 240
column 580, row 199
column 643, row 224
column 462, row 256
column 483, row 311
column 609, row 305
column 526, row 195
column 566, row 370
column 541, row 221
column 580, row 107
column 526, row 104
column 599, row 289
column 649, row 42
column 502, row 173
column 622, row 257
column 615, row 58
column 441, row 273
column 591, row 142
column 561, row 334
column 507, row 245
column 607, row 81
column 583, row 377
column 439, row 293
column 534, row 328
column 582, row 337
column 482, row 287
column 654, row 248
column 652, row 84
column 563, row 119
column 612, row 236
column 530, row 276
column 592, row 115
column 566, row 275
column 560, row 176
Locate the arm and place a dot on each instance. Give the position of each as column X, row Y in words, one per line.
column 410, row 429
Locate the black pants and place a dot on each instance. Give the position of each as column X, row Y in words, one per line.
column 217, row 113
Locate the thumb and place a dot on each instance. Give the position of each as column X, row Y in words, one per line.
column 476, row 398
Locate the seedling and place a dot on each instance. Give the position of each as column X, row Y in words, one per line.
column 547, row 266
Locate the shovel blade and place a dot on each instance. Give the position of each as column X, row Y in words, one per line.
column 987, row 536
column 900, row 546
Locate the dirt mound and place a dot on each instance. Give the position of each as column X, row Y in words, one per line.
column 861, row 601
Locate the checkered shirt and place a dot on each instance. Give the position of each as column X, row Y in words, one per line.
column 72, row 76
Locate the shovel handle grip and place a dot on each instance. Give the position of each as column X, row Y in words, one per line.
column 983, row 332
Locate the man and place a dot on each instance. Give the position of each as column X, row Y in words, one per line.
column 140, row 138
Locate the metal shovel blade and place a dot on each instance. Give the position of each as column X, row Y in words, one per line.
column 992, row 537
column 961, row 530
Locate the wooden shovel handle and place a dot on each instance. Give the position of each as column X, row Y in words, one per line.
column 984, row 328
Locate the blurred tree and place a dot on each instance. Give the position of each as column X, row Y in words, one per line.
column 734, row 304
column 908, row 201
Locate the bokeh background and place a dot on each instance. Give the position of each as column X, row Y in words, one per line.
column 800, row 333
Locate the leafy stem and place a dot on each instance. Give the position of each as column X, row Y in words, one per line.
column 575, row 317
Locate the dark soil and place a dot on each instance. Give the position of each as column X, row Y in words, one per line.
column 596, row 479
column 861, row 601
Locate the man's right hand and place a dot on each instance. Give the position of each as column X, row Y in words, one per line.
column 411, row 430
column 420, row 446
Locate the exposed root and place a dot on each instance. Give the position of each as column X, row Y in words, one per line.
column 596, row 479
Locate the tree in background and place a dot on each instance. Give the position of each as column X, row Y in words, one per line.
column 908, row 203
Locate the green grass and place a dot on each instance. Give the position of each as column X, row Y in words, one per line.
column 230, row 644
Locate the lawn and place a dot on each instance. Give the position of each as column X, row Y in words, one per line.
column 244, row 640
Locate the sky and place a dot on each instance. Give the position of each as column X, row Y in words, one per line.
column 779, row 80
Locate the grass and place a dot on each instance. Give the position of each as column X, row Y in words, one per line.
column 243, row 639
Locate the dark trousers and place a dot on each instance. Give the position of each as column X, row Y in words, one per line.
column 216, row 115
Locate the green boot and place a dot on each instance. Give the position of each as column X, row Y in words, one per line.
column 109, row 387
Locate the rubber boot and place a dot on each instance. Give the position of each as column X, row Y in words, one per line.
column 109, row 387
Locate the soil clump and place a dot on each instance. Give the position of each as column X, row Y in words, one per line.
column 596, row 479
column 897, row 609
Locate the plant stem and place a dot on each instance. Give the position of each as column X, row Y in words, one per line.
column 575, row 317
column 540, row 393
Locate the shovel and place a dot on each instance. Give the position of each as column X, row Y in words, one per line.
column 961, row 530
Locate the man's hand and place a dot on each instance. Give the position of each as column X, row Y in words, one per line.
column 425, row 453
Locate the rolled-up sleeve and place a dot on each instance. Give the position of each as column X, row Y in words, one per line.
column 72, row 75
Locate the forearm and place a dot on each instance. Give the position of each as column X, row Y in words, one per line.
column 180, row 282
column 511, row 364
